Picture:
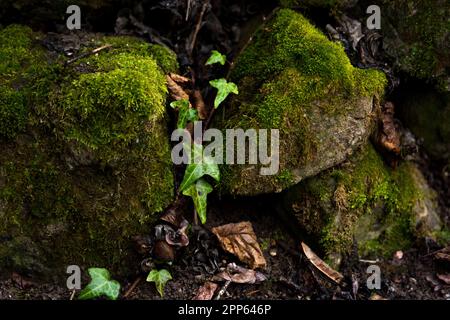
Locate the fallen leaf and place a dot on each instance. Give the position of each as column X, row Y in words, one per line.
column 175, row 90
column 240, row 240
column 179, row 79
column 21, row 281
column 388, row 136
column 442, row 256
column 321, row 265
column 200, row 104
column 444, row 277
column 376, row 297
column 238, row 274
column 206, row 292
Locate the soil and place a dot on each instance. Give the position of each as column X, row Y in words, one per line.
column 289, row 274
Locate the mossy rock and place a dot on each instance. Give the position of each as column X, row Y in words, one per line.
column 426, row 112
column 417, row 37
column 292, row 78
column 363, row 200
column 85, row 164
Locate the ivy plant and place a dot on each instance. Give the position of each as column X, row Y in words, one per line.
column 216, row 57
column 185, row 114
column 100, row 285
column 160, row 278
column 224, row 88
column 199, row 166
column 199, row 192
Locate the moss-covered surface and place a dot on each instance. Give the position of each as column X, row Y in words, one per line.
column 417, row 35
column 362, row 200
column 291, row 77
column 87, row 163
column 426, row 112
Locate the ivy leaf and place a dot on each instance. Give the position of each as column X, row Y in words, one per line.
column 180, row 104
column 198, row 167
column 160, row 279
column 100, row 285
column 216, row 57
column 199, row 192
column 185, row 114
column 224, row 88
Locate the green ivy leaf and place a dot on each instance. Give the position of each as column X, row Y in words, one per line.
column 216, row 57
column 100, row 285
column 185, row 114
column 160, row 279
column 198, row 167
column 199, row 192
column 224, row 88
column 180, row 104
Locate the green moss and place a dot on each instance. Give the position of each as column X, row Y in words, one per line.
column 289, row 70
column 22, row 64
column 90, row 164
column 165, row 58
column 362, row 200
column 420, row 47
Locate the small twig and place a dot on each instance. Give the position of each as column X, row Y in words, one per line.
column 73, row 294
column 86, row 54
column 188, row 9
column 198, row 27
column 223, row 290
column 132, row 287
column 208, row 121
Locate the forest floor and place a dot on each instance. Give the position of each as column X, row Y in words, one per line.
column 411, row 274
column 289, row 274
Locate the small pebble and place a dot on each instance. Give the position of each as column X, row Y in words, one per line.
column 273, row 252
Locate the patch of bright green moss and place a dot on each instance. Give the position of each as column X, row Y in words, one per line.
column 22, row 65
column 289, row 69
column 363, row 200
column 91, row 163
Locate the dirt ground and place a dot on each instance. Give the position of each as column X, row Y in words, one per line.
column 289, row 274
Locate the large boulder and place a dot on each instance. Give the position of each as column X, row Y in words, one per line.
column 363, row 200
column 85, row 159
column 292, row 78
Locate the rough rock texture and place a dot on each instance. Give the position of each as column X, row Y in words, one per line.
column 85, row 158
column 292, row 78
column 426, row 112
column 417, row 36
column 382, row 209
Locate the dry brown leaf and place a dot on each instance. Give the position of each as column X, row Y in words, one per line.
column 179, row 79
column 321, row 265
column 376, row 297
column 388, row 136
column 444, row 277
column 200, row 104
column 240, row 240
column 237, row 274
column 175, row 90
column 206, row 292
column 443, row 256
